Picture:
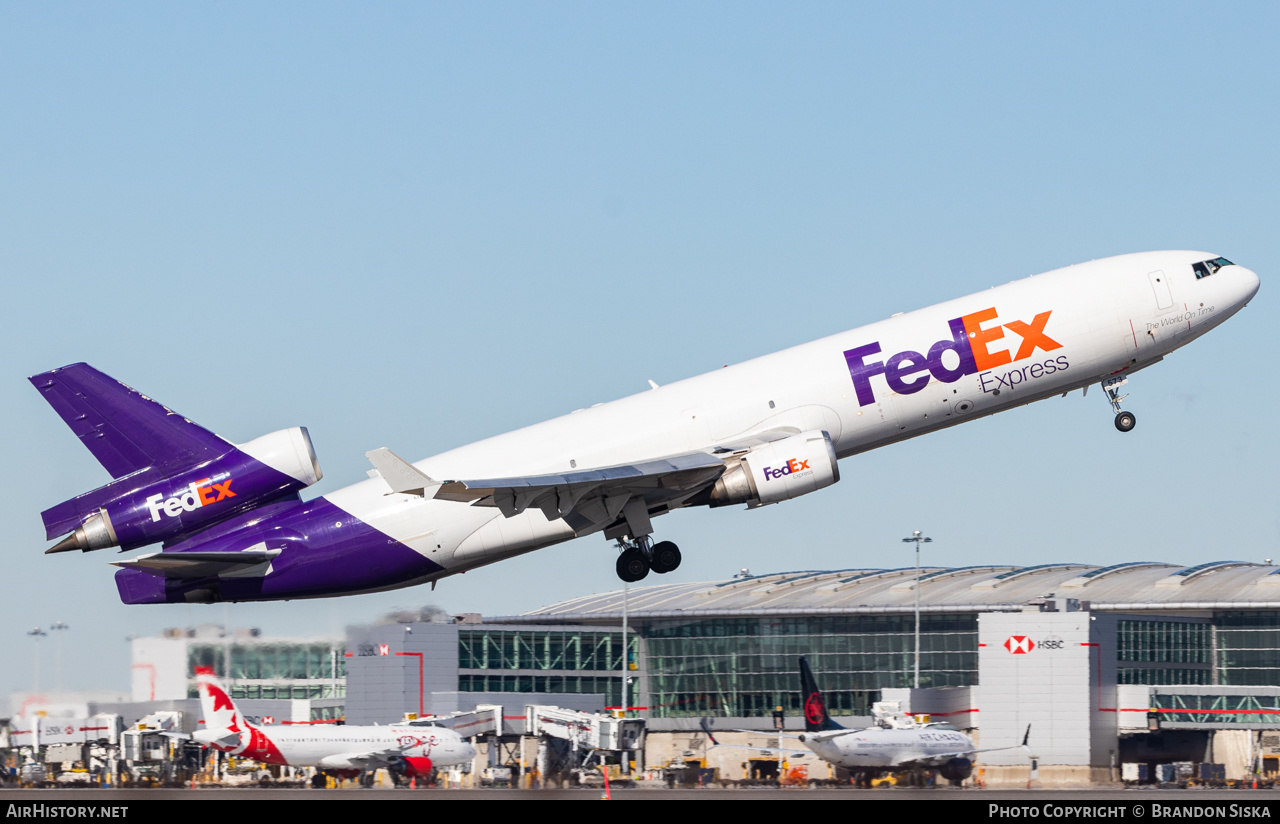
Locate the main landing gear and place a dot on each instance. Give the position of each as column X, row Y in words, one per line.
column 1124, row 420
column 641, row 555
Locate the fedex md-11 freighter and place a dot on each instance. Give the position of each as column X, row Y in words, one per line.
column 233, row 526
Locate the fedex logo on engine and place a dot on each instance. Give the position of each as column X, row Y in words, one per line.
column 791, row 467
column 200, row 493
column 976, row 347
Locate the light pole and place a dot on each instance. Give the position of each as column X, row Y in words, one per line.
column 626, row 670
column 37, row 634
column 57, row 659
column 917, row 538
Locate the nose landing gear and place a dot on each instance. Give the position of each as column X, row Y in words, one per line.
column 1124, row 420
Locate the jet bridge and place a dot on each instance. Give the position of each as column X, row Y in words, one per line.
column 570, row 742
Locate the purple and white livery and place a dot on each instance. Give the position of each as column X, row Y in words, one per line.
column 233, row 527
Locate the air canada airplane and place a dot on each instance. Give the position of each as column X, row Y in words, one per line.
column 896, row 745
column 233, row 526
column 340, row 750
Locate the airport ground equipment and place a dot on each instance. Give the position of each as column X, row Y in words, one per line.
column 574, row 744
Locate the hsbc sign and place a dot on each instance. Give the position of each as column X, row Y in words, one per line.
column 1022, row 644
column 1019, row 644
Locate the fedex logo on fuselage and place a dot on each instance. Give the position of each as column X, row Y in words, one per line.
column 791, row 467
column 977, row 344
column 200, row 493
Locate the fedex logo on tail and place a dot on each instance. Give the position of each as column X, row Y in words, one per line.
column 979, row 346
column 200, row 493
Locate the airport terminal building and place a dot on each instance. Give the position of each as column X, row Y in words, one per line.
column 1134, row 662
column 1139, row 661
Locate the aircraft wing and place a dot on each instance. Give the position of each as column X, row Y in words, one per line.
column 367, row 760
column 587, row 500
column 827, row 735
column 705, row 723
column 936, row 760
column 766, row 750
column 939, row 759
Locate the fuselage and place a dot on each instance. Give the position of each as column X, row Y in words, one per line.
column 347, row 748
column 902, row 377
column 877, row 747
column 416, row 748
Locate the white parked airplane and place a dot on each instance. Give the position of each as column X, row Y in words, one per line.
column 404, row 750
column 767, row 430
column 897, row 745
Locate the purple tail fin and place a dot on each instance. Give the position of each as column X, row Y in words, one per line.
column 124, row 429
column 173, row 478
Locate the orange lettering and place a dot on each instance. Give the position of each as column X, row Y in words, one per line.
column 979, row 338
column 1033, row 335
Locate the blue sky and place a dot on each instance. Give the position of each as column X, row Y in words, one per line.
column 415, row 225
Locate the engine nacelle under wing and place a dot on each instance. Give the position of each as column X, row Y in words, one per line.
column 779, row 471
column 957, row 769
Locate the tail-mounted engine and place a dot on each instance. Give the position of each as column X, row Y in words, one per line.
column 159, row 504
column 779, row 471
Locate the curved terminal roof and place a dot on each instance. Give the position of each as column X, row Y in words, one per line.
column 1127, row 587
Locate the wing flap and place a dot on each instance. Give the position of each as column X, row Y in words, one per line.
column 587, row 499
column 618, row 476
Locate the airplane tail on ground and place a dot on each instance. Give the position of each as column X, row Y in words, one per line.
column 816, row 718
column 223, row 725
column 226, row 729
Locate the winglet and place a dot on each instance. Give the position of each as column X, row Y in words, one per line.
column 401, row 475
column 1026, row 737
column 705, row 723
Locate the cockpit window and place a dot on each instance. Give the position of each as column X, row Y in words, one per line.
column 1208, row 267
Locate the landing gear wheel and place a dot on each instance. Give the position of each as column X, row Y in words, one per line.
column 666, row 557
column 632, row 566
column 1125, row 421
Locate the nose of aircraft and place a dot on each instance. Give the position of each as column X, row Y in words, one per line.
column 1248, row 283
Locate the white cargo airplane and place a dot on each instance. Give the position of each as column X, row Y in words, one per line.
column 767, row 430
column 404, row 750
column 897, row 745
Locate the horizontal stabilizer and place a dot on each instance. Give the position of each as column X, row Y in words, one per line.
column 124, row 429
column 249, row 563
column 220, row 738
